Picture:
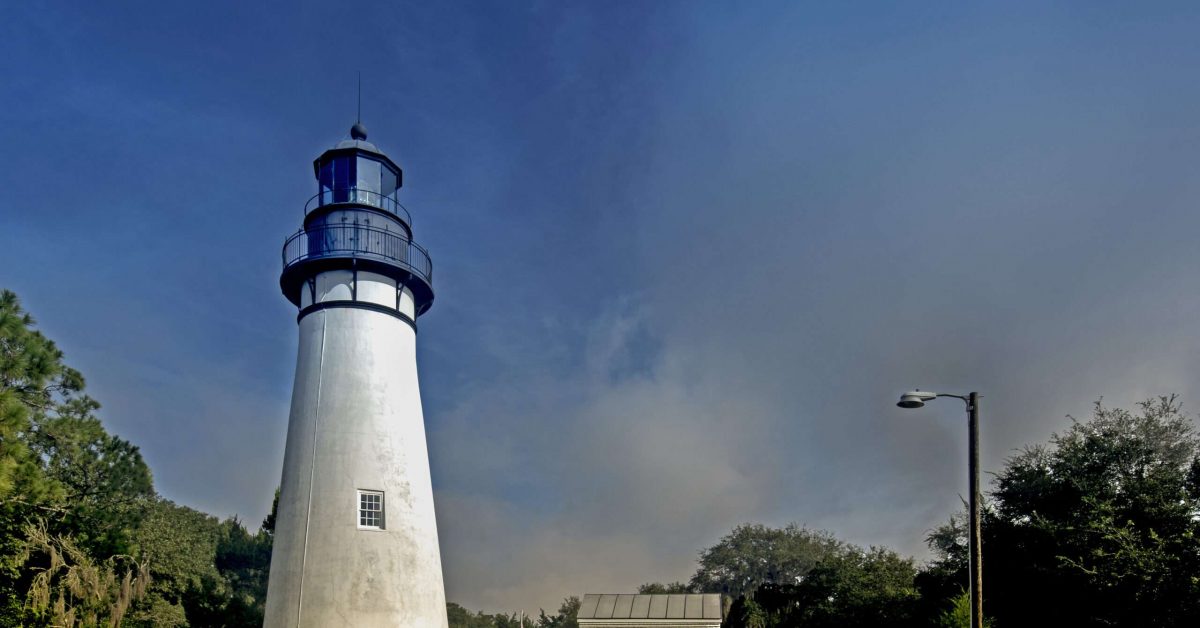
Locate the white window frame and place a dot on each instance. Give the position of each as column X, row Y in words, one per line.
column 359, row 511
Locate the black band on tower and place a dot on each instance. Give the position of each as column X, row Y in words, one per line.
column 361, row 305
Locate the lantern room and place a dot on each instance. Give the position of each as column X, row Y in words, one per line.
column 355, row 171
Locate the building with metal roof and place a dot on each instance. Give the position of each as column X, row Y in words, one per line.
column 690, row 610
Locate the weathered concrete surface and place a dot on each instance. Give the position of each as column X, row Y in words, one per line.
column 356, row 423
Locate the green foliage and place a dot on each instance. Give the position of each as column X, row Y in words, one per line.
column 1096, row 528
column 33, row 383
column 31, row 375
column 754, row 554
column 243, row 559
column 958, row 613
column 567, row 616
column 460, row 617
column 69, row 588
column 103, row 479
column 747, row 613
column 180, row 544
column 849, row 587
column 268, row 524
column 856, row 587
column 209, row 572
column 658, row 588
column 84, row 539
column 64, row 482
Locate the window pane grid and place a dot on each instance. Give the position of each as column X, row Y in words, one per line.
column 370, row 509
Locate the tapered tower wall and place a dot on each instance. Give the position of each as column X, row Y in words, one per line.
column 356, row 424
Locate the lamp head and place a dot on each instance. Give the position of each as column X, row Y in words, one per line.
column 916, row 399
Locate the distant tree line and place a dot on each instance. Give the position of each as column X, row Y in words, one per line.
column 460, row 617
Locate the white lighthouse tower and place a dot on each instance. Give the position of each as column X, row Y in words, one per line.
column 356, row 541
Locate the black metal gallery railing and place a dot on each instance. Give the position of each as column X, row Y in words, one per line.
column 360, row 197
column 352, row 240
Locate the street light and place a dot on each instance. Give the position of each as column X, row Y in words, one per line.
column 917, row 399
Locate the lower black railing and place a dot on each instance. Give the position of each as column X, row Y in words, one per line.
column 352, row 240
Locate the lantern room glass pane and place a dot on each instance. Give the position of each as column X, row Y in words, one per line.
column 369, row 176
column 325, row 180
column 343, row 178
column 387, row 185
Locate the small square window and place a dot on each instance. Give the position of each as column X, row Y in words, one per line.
column 370, row 510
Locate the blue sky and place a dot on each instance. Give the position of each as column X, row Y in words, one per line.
column 687, row 254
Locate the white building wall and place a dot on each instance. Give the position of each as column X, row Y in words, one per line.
column 356, row 423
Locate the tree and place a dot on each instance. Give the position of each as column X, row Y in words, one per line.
column 72, row 589
column 41, row 514
column 102, row 478
column 943, row 581
column 244, row 562
column 205, row 572
column 857, row 587
column 84, row 538
column 180, row 545
column 32, row 373
column 754, row 554
column 852, row 587
column 268, row 523
column 567, row 616
column 460, row 617
column 958, row 614
column 659, row 588
column 1096, row 528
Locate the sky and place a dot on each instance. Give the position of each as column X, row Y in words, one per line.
column 687, row 254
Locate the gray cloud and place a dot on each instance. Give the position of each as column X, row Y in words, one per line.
column 836, row 235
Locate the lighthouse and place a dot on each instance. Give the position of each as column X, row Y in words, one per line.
column 356, row 540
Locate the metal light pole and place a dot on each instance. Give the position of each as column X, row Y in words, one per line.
column 917, row 399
